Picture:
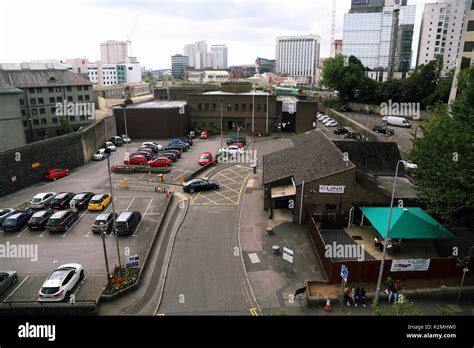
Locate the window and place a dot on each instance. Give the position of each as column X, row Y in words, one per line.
column 53, row 110
column 22, row 102
column 265, row 107
column 40, row 101
column 58, row 89
column 244, row 107
column 86, row 88
column 214, row 106
column 229, row 107
column 206, row 107
column 54, row 120
column 259, row 107
column 50, row 89
column 80, row 98
column 236, row 107
column 82, row 118
column 25, row 124
column 250, row 106
column 34, row 112
column 79, row 88
column 59, row 99
column 69, row 98
column 42, row 111
column 23, row 112
column 199, row 106
column 87, row 97
column 51, row 99
column 32, row 91
column 330, row 206
column 72, row 118
column 69, row 89
column 43, row 121
column 36, row 122
column 33, row 101
column 39, row 90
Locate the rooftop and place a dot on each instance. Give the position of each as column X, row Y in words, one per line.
column 156, row 104
column 230, row 93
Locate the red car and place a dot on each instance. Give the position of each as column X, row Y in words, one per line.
column 205, row 158
column 138, row 159
column 204, row 134
column 160, row 162
column 56, row 173
column 239, row 144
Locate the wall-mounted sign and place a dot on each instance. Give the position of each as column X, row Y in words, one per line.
column 419, row 265
column 35, row 165
column 331, row 189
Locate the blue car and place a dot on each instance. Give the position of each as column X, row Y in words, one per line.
column 179, row 142
column 17, row 221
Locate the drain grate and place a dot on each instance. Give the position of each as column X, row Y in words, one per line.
column 357, row 237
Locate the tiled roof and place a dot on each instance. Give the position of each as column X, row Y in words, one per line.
column 40, row 78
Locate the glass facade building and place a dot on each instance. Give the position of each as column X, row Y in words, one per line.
column 178, row 66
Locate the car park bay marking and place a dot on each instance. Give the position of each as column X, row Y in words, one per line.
column 143, row 218
column 253, row 312
column 24, row 280
column 19, row 235
column 80, row 284
column 131, row 204
column 75, row 222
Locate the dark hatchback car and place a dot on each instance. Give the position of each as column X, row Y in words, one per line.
column 39, row 220
column 81, row 200
column 198, row 184
column 187, row 140
column 104, row 222
column 60, row 221
column 383, row 130
column 127, row 222
column 340, row 130
column 4, row 213
column 237, row 139
column 61, row 200
column 116, row 140
column 17, row 221
column 168, row 155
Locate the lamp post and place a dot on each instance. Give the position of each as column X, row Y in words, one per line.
column 384, row 253
column 253, row 109
column 127, row 101
column 464, row 271
column 106, row 260
column 113, row 207
column 222, row 127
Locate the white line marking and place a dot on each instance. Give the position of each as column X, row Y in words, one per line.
column 55, row 261
column 254, row 258
column 74, row 224
column 42, row 234
column 24, row 280
column 22, row 232
column 143, row 218
column 130, row 204
column 80, row 284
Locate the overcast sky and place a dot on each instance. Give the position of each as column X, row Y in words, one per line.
column 59, row 29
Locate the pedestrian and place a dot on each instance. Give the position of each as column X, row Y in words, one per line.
column 393, row 292
column 356, row 293
column 347, row 296
column 353, row 296
column 360, row 296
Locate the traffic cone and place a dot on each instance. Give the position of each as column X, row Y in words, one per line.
column 328, row 307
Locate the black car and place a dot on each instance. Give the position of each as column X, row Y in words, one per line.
column 61, row 200
column 199, row 184
column 345, row 109
column 178, row 153
column 127, row 222
column 39, row 220
column 104, row 222
column 17, row 221
column 236, row 139
column 383, row 130
column 340, row 130
column 60, row 221
column 81, row 200
column 169, row 155
column 116, row 140
column 179, row 147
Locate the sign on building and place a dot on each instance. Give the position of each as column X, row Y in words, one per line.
column 331, row 189
column 417, row 265
column 132, row 261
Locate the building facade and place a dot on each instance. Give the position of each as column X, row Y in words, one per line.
column 129, row 73
column 298, row 56
column 45, row 87
column 219, row 56
column 114, row 52
column 11, row 128
column 264, row 65
column 337, row 47
column 441, row 33
column 467, row 45
column 179, row 63
column 380, row 34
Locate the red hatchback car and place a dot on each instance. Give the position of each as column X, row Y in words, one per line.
column 204, row 134
column 137, row 159
column 160, row 162
column 205, row 158
column 56, row 173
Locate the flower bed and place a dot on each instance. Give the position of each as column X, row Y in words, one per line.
column 122, row 279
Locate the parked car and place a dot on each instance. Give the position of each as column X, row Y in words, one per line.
column 345, row 109
column 192, row 135
column 17, row 221
column 147, row 150
column 204, row 134
column 104, row 222
column 168, row 155
column 109, row 145
column 126, row 139
column 199, row 184
column 237, row 139
column 138, row 159
column 127, row 222
column 147, row 155
column 42, row 200
column 179, row 147
column 100, row 155
column 160, row 162
column 331, row 124
column 61, row 282
column 232, row 150
column 116, row 140
column 323, row 118
column 39, row 220
column 7, row 279
column 340, row 130
column 56, row 173
column 179, row 142
column 61, row 200
column 61, row 220
column 187, row 140
column 150, row 143
column 396, row 121
column 366, row 110
column 4, row 213
column 383, row 130
column 205, row 158
column 99, row 202
column 81, row 200
column 178, row 153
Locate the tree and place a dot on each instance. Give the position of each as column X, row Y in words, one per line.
column 444, row 154
column 64, row 122
column 421, row 84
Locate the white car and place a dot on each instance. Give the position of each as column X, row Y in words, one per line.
column 126, row 139
column 100, row 155
column 232, row 150
column 324, row 118
column 60, row 283
column 331, row 124
column 160, row 147
column 110, row 145
column 42, row 200
column 328, row 120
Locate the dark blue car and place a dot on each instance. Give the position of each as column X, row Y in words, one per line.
column 179, row 142
column 17, row 221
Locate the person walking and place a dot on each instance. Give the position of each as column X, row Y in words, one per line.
column 353, row 296
column 360, row 296
column 393, row 292
column 347, row 296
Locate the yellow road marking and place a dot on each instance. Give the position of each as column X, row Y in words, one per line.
column 253, row 312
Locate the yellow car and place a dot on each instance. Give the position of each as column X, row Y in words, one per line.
column 99, row 202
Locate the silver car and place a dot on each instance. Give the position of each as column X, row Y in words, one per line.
column 7, row 279
column 100, row 155
column 42, row 200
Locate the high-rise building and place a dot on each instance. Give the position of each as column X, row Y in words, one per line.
column 114, row 52
column 337, row 47
column 441, row 32
column 179, row 63
column 380, row 33
column 467, row 58
column 190, row 52
column 298, row 56
column 264, row 65
column 219, row 53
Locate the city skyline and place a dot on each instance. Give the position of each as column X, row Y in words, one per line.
column 248, row 34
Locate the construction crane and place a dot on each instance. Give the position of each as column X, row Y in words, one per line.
column 129, row 37
column 333, row 28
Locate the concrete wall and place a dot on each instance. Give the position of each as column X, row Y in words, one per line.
column 23, row 166
column 11, row 126
column 345, row 121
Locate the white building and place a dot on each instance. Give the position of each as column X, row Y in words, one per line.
column 199, row 57
column 114, row 52
column 190, row 52
column 102, row 74
column 129, row 73
column 219, row 76
column 298, row 56
column 441, row 32
column 219, row 56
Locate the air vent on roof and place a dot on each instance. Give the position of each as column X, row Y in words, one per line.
column 52, row 79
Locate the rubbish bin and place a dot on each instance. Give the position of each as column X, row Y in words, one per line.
column 276, row 249
column 270, row 230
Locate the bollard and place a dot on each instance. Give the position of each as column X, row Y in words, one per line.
column 160, row 177
column 125, row 183
column 181, row 179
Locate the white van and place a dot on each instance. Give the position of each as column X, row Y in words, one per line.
column 396, row 121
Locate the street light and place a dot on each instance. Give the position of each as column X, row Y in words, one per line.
column 384, row 253
column 106, row 260
column 464, row 271
column 107, row 151
column 222, row 127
